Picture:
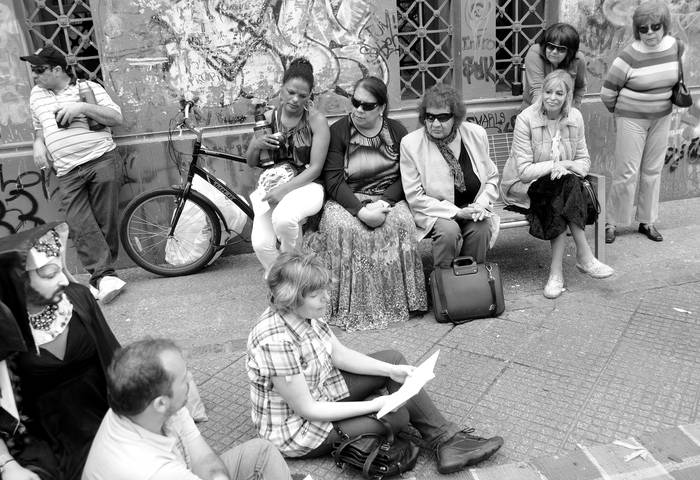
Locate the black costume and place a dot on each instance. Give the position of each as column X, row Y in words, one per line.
column 61, row 401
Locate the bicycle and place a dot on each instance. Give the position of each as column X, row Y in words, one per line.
column 154, row 231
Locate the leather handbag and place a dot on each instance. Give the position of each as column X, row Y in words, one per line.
column 466, row 291
column 680, row 96
column 592, row 202
column 376, row 455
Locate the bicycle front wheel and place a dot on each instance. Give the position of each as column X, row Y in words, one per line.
column 145, row 233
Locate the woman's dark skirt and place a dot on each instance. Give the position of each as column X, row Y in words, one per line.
column 554, row 204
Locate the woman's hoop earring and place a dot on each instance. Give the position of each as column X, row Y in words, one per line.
column 309, row 105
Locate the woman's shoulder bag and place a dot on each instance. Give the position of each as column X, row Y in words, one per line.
column 680, row 96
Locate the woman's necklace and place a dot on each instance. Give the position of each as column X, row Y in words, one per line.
column 372, row 131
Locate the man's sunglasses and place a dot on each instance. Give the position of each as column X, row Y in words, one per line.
column 655, row 27
column 556, row 48
column 40, row 69
column 366, row 106
column 440, row 117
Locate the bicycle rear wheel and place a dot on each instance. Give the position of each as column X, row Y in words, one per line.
column 146, row 225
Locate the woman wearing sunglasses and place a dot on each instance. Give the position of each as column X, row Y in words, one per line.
column 367, row 235
column 449, row 179
column 637, row 90
column 558, row 49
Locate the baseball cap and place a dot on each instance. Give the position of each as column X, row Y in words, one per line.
column 46, row 56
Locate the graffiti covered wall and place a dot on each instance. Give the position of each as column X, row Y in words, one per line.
column 231, row 53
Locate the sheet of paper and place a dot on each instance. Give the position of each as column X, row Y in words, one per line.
column 421, row 375
column 260, row 206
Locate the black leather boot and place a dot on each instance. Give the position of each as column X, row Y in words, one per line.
column 465, row 449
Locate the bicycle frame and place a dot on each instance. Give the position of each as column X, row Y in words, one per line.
column 195, row 169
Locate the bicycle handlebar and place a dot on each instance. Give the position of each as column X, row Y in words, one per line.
column 189, row 104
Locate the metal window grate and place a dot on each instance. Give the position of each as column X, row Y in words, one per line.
column 426, row 32
column 518, row 25
column 68, row 26
column 425, row 40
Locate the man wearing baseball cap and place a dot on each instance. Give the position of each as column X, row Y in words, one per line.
column 72, row 137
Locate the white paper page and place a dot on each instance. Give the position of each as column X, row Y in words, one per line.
column 421, row 375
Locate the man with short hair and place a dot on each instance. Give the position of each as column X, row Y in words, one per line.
column 71, row 120
column 148, row 435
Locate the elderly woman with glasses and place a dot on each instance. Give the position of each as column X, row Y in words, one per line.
column 449, row 179
column 558, row 49
column 637, row 90
column 366, row 234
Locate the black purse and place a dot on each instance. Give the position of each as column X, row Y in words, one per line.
column 592, row 202
column 680, row 96
column 376, row 455
column 466, row 291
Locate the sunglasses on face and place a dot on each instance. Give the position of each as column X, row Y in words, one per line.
column 655, row 27
column 561, row 49
column 40, row 69
column 366, row 106
column 440, row 117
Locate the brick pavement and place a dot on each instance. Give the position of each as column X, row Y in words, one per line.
column 608, row 360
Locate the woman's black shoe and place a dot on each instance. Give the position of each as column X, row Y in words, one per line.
column 651, row 232
column 609, row 233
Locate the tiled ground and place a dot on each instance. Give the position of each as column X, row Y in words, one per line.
column 608, row 360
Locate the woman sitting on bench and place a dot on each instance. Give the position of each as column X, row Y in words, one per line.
column 449, row 179
column 367, row 235
column 542, row 178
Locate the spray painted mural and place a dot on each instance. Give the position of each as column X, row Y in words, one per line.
column 228, row 52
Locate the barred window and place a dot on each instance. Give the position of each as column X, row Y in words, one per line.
column 68, row 26
column 476, row 45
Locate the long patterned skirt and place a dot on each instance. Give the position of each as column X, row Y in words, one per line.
column 378, row 272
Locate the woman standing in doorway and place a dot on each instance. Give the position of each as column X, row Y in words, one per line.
column 558, row 49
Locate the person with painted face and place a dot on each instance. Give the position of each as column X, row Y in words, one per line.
column 637, row 91
column 300, row 136
column 55, row 347
column 542, row 178
column 366, row 234
column 306, row 387
column 557, row 49
column 449, row 179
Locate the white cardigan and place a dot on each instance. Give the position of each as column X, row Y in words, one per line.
column 428, row 182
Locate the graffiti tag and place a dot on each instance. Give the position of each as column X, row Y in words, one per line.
column 19, row 207
column 689, row 150
column 494, row 122
column 481, row 68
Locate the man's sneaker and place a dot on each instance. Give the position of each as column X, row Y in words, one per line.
column 464, row 450
column 110, row 288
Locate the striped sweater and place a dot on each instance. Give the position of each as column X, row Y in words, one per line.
column 639, row 82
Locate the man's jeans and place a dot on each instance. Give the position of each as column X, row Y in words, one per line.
column 90, row 200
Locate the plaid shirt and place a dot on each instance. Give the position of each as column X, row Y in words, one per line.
column 278, row 349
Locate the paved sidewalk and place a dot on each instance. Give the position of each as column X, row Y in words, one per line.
column 610, row 359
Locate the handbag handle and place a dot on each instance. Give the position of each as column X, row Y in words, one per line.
column 464, row 266
column 680, row 64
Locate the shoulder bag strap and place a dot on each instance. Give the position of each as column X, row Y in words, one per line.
column 492, row 286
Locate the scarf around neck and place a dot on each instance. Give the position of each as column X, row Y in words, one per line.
column 443, row 144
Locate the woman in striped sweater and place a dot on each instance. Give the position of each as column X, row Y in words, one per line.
column 637, row 90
